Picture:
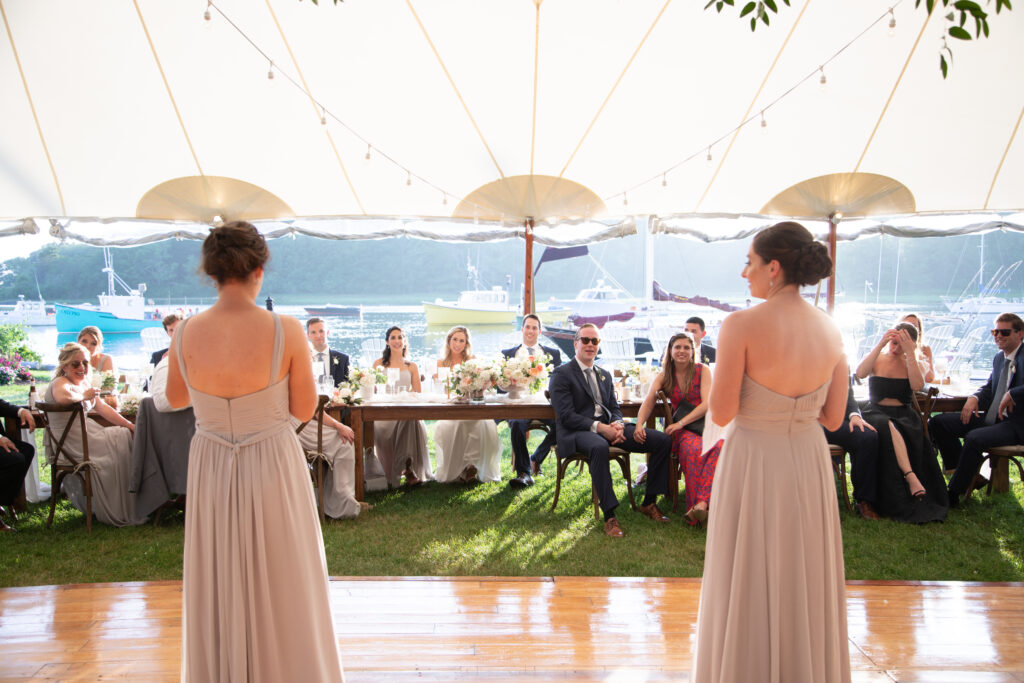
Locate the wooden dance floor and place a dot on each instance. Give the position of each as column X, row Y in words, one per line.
column 509, row 629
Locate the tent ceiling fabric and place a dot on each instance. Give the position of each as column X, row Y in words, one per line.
column 203, row 198
column 851, row 194
column 528, row 196
column 627, row 100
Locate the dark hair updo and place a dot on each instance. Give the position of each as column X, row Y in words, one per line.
column 233, row 251
column 803, row 260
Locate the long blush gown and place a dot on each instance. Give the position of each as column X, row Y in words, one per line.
column 255, row 604
column 773, row 602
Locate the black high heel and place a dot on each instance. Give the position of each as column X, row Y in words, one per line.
column 920, row 491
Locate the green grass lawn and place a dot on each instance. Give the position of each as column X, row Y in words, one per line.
column 490, row 529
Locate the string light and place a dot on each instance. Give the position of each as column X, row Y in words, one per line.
column 764, row 124
column 323, row 115
column 367, row 157
column 709, row 154
column 664, row 180
column 444, row 199
column 892, row 22
column 408, row 179
column 823, row 80
column 270, row 72
column 625, row 199
column 206, row 14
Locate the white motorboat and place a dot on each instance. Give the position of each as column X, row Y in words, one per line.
column 28, row 312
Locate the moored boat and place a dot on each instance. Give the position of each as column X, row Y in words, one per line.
column 328, row 310
column 116, row 314
column 29, row 313
column 483, row 307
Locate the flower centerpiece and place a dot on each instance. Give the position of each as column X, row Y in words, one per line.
column 529, row 373
column 642, row 374
column 129, row 404
column 347, row 393
column 472, row 378
column 362, row 380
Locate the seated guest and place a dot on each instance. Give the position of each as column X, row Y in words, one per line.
column 695, row 326
column 589, row 421
column 685, row 381
column 110, row 448
column 925, row 350
column 339, row 483
column 465, row 450
column 910, row 483
column 1002, row 423
column 170, row 323
column 401, row 446
column 526, row 464
column 860, row 440
column 158, row 383
column 316, row 332
column 15, row 457
column 92, row 339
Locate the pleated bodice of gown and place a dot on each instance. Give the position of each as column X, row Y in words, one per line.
column 773, row 604
column 255, row 594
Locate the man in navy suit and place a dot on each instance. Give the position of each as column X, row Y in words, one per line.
column 1003, row 421
column 525, row 463
column 695, row 326
column 589, row 421
column 170, row 323
column 15, row 457
column 316, row 332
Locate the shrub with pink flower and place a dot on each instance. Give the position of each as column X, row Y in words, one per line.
column 13, row 369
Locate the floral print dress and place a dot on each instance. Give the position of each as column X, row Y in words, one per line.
column 698, row 468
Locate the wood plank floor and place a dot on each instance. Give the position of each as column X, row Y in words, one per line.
column 514, row 629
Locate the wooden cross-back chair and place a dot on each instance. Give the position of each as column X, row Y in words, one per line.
column 674, row 473
column 315, row 458
column 999, row 459
column 71, row 464
column 614, row 455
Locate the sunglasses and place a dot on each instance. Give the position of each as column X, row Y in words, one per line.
column 590, row 340
column 79, row 363
column 1002, row 331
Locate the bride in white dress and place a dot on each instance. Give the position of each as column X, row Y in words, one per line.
column 466, row 450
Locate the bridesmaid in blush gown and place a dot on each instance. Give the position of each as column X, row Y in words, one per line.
column 255, row 595
column 773, row 604
column 401, row 446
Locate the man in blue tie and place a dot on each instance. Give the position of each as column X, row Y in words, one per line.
column 1003, row 421
column 588, row 420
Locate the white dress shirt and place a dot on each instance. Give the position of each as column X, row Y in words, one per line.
column 158, row 387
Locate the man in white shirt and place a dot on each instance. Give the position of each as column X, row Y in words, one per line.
column 316, row 332
column 1002, row 423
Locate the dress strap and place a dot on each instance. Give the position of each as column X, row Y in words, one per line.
column 278, row 352
column 177, row 350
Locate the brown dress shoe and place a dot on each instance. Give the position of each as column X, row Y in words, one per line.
column 865, row 510
column 612, row 528
column 653, row 512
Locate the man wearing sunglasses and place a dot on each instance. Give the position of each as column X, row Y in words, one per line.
column 589, row 421
column 1002, row 423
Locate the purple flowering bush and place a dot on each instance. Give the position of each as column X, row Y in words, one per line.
column 13, row 369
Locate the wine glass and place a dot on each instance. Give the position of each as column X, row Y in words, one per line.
column 393, row 376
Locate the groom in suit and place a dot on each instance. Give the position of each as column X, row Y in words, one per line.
column 589, row 421
column 316, row 332
column 525, row 463
column 1000, row 399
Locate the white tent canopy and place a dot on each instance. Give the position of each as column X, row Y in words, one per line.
column 108, row 100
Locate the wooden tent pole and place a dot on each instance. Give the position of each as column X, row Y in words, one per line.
column 833, row 222
column 528, row 276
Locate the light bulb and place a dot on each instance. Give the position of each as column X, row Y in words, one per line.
column 764, row 124
column 709, row 154
column 270, row 72
column 367, row 157
column 625, row 199
column 892, row 22
column 206, row 14
column 323, row 116
column 823, row 80
column 408, row 179
column 664, row 180
column 444, row 200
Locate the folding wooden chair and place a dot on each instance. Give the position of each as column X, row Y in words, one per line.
column 73, row 465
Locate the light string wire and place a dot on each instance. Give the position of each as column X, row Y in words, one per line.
column 659, row 175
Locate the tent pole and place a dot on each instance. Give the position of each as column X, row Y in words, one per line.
column 528, row 276
column 833, row 221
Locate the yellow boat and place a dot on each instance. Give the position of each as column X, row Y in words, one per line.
column 483, row 307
